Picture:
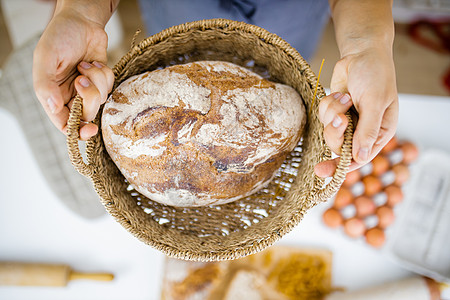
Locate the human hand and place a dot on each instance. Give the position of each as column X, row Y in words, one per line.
column 71, row 57
column 365, row 79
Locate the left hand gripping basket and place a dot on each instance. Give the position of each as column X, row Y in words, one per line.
column 243, row 227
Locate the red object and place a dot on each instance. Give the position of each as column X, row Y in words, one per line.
column 446, row 80
column 439, row 43
column 440, row 29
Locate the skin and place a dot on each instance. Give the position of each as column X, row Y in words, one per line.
column 364, row 77
column 78, row 26
column 366, row 73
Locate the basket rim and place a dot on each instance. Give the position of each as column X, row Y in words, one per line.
column 218, row 23
column 294, row 219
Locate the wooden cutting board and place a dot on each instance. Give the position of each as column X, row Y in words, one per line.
column 279, row 272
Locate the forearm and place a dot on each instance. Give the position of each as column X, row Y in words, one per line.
column 362, row 24
column 98, row 11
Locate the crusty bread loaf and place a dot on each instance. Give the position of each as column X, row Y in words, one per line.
column 201, row 133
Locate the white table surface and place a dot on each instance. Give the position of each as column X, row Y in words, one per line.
column 36, row 227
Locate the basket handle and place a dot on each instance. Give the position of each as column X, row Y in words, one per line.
column 73, row 127
column 344, row 162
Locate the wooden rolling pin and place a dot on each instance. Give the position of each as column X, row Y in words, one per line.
column 412, row 288
column 36, row 274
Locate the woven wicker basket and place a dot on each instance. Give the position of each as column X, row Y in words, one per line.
column 239, row 228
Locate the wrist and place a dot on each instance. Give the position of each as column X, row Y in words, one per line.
column 362, row 24
column 368, row 42
column 97, row 11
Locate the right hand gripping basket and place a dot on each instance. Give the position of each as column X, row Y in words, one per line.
column 243, row 227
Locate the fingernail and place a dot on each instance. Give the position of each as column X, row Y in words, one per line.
column 85, row 65
column 345, row 99
column 97, row 64
column 337, row 95
column 84, row 82
column 363, row 154
column 51, row 105
column 337, row 121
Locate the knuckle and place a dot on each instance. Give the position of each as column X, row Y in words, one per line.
column 95, row 72
column 390, row 132
column 99, row 95
column 375, row 107
column 386, row 135
column 323, row 108
column 371, row 135
column 102, row 37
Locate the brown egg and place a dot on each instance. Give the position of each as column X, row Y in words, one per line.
column 372, row 185
column 354, row 227
column 351, row 178
column 375, row 237
column 401, row 172
column 332, row 218
column 385, row 216
column 390, row 146
column 394, row 195
column 343, row 198
column 364, row 206
column 410, row 152
column 380, row 164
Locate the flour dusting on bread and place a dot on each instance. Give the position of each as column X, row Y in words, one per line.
column 201, row 133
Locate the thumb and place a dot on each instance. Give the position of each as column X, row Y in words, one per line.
column 367, row 132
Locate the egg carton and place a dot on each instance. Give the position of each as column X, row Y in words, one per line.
column 421, row 236
column 365, row 206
